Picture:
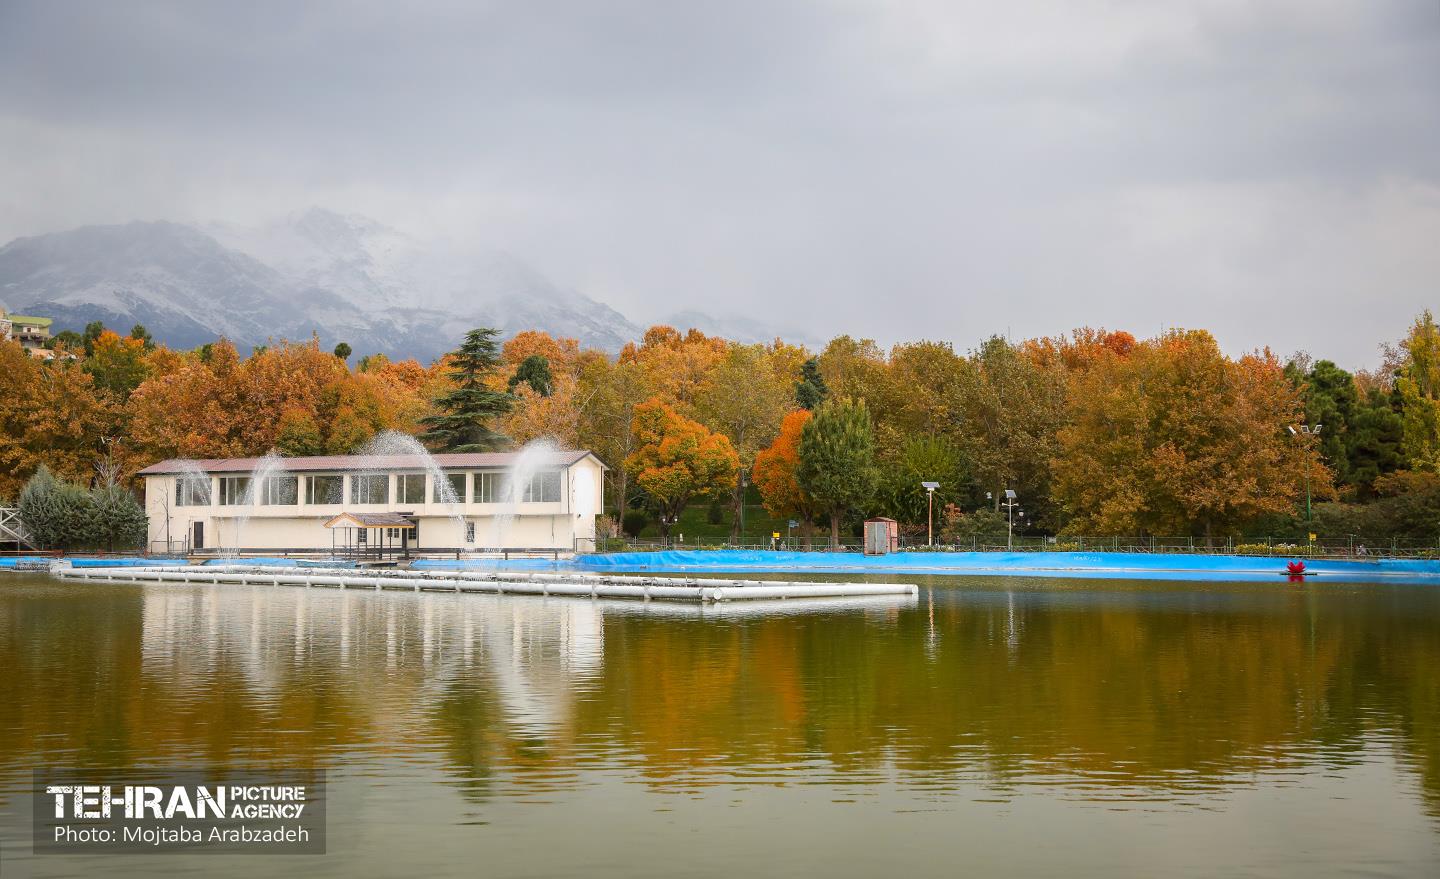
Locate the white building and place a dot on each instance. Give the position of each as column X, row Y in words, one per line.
column 215, row 504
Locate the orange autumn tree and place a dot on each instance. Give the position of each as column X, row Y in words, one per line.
column 51, row 414
column 774, row 474
column 677, row 460
column 1175, row 438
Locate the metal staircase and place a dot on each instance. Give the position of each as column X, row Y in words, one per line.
column 12, row 530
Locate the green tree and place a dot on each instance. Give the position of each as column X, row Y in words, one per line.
column 1361, row 434
column 343, row 350
column 837, row 460
column 142, row 335
column 69, row 338
column 1009, row 409
column 1419, row 388
column 39, row 510
column 922, row 459
column 463, row 423
column 1376, row 440
column 119, row 520
column 810, row 391
column 535, row 372
column 58, row 515
column 92, row 332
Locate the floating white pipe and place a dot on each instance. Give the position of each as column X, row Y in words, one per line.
column 501, row 582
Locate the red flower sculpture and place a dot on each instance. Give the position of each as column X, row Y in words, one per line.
column 1296, row 567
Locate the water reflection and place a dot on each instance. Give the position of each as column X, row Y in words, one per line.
column 1122, row 693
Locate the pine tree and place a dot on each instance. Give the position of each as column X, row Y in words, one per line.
column 810, row 391
column 837, row 460
column 120, row 522
column 534, row 371
column 463, row 423
column 38, row 509
column 58, row 515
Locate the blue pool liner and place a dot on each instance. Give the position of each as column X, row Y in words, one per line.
column 1117, row 565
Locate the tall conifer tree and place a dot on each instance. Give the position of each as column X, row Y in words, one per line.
column 463, row 422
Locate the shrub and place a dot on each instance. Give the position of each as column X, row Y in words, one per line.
column 1266, row 549
column 981, row 526
column 634, row 522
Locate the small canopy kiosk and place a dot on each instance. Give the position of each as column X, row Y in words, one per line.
column 371, row 534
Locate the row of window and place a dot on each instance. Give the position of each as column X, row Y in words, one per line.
column 488, row 488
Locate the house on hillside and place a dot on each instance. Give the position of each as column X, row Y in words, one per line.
column 32, row 332
column 386, row 504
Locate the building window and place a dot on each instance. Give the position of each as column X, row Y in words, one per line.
column 487, row 487
column 370, row 489
column 457, row 485
column 544, row 488
column 411, row 488
column 234, row 490
column 280, row 491
column 192, row 491
column 469, row 532
column 328, row 489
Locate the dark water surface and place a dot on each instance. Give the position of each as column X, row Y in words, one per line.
column 992, row 727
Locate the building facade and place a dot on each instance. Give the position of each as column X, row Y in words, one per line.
column 32, row 332
column 285, row 504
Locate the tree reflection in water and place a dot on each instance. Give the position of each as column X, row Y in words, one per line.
column 1096, row 689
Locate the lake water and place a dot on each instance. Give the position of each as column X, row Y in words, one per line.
column 991, row 727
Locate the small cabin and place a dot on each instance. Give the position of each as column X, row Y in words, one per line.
column 882, row 536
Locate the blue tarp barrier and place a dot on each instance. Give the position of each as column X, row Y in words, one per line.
column 1040, row 564
column 27, row 560
column 126, row 563
column 278, row 562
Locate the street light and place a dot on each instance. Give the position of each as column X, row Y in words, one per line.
column 1011, row 502
column 1313, row 432
column 930, row 510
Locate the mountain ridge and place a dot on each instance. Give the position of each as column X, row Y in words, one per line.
column 345, row 277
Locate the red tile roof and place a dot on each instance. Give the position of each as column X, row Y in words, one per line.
column 472, row 461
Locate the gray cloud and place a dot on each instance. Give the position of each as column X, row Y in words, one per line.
column 902, row 169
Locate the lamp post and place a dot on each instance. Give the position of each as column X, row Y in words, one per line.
column 1011, row 502
column 930, row 511
column 1313, row 433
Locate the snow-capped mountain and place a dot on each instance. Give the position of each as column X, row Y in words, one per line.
column 346, row 278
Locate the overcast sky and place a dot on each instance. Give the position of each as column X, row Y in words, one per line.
column 898, row 170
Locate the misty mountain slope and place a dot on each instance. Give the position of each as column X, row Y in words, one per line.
column 414, row 286
column 345, row 278
column 174, row 279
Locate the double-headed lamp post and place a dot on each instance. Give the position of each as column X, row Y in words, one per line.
column 930, row 511
column 1312, row 432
